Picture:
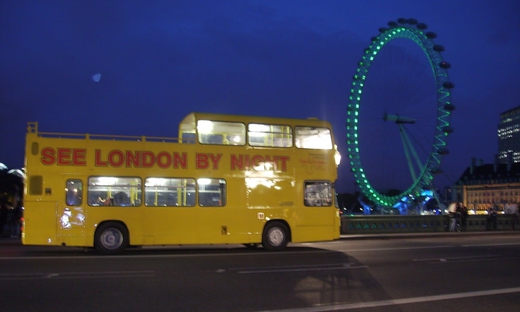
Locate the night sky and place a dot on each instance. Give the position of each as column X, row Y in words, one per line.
column 138, row 67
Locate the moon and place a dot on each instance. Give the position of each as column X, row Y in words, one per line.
column 96, row 77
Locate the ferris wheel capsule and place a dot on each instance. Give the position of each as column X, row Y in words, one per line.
column 431, row 35
column 438, row 48
column 443, row 151
column 448, row 85
column 436, row 171
column 447, row 129
column 444, row 65
column 449, row 107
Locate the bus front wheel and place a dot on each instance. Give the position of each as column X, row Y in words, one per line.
column 111, row 238
column 276, row 236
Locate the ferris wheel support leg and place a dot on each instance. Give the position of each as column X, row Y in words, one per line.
column 440, row 203
column 410, row 149
column 407, row 153
column 407, row 147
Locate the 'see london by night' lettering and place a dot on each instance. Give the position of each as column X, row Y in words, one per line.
column 64, row 156
column 140, row 159
column 163, row 159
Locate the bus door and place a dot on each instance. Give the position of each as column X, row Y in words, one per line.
column 269, row 199
column 219, row 222
column 39, row 226
column 71, row 216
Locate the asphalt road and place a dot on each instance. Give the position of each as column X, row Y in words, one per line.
column 378, row 273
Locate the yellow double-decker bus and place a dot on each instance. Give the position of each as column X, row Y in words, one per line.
column 225, row 180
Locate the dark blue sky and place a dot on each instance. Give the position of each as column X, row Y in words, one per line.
column 160, row 60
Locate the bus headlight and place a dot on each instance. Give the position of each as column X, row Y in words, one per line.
column 337, row 155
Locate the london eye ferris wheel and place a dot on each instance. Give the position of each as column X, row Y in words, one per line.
column 399, row 112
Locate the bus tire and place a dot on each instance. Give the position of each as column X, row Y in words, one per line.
column 111, row 238
column 275, row 236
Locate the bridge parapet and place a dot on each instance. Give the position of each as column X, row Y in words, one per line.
column 409, row 224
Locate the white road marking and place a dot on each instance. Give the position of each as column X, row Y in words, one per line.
column 487, row 245
column 391, row 302
column 458, row 258
column 342, row 266
column 79, row 275
column 396, row 248
column 51, row 275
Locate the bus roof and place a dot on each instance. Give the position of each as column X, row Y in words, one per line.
column 191, row 118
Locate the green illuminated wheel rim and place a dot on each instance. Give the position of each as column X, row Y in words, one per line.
column 408, row 29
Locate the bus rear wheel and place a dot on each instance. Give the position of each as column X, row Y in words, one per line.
column 111, row 238
column 275, row 236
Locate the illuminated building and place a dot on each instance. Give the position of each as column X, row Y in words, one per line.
column 509, row 135
column 489, row 185
column 482, row 186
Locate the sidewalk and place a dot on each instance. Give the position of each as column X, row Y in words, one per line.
column 424, row 234
column 6, row 240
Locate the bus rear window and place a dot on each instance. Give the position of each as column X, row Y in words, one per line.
column 318, row 193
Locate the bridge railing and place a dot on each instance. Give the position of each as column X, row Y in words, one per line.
column 407, row 224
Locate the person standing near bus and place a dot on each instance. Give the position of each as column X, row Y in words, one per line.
column 492, row 219
column 3, row 215
column 14, row 219
column 463, row 217
column 512, row 209
column 452, row 214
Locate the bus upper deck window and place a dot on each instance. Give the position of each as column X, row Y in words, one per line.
column 269, row 135
column 221, row 132
column 313, row 138
column 188, row 138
